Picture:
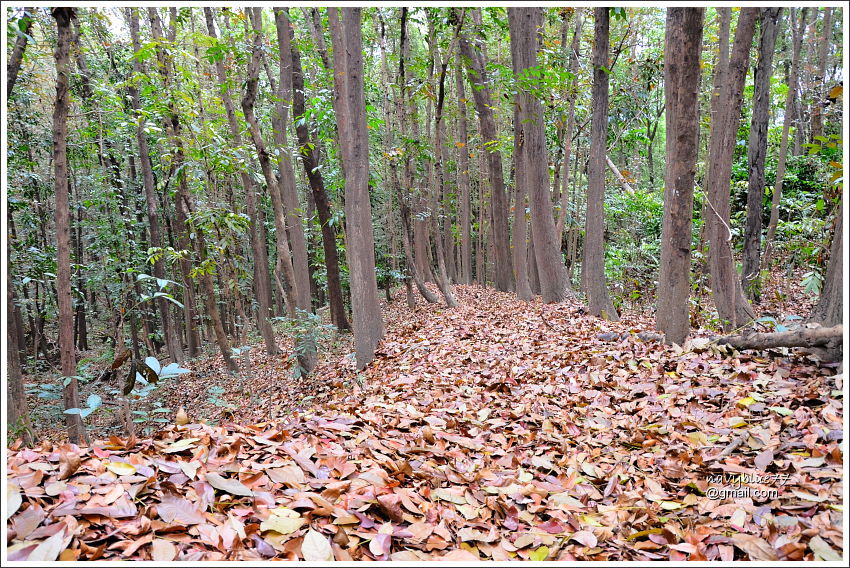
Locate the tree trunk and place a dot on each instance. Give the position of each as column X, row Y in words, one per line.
column 820, row 80
column 682, row 48
column 67, row 354
column 350, row 108
column 14, row 64
column 170, row 332
column 520, row 237
column 262, row 279
column 248, row 99
column 757, row 153
column 476, row 58
column 798, row 30
column 18, row 419
column 404, row 196
column 465, row 264
column 732, row 307
column 571, row 120
column 309, row 150
column 828, row 310
column 593, row 267
column 526, row 25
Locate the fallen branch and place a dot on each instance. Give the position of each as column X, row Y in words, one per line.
column 826, row 341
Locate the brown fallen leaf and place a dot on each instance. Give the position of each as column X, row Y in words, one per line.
column 163, row 550
column 755, row 547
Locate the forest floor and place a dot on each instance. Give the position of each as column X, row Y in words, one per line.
column 496, row 430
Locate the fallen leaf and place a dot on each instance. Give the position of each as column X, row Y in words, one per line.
column 232, row 486
column 163, row 550
column 315, row 548
column 755, row 547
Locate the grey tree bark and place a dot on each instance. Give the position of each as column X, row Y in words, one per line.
column 474, row 53
column 526, row 25
column 350, row 107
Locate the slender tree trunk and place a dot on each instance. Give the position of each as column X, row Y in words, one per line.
column 465, row 264
column 309, row 150
column 526, row 24
column 289, row 193
column 798, row 30
column 404, row 196
column 593, row 266
column 520, row 236
column 724, row 14
column 571, row 120
column 350, row 107
column 67, row 355
column 476, row 57
column 682, row 47
column 13, row 67
column 171, row 334
column 248, row 99
column 307, row 356
column 262, row 279
column 18, row 418
column 757, row 153
column 732, row 307
column 820, row 80
column 829, row 309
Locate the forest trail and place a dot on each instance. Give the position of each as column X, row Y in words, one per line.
column 497, row 430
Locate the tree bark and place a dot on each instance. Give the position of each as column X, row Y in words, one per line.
column 67, row 354
column 571, row 120
column 519, row 242
column 732, row 307
column 309, row 150
column 820, row 80
column 757, row 153
column 262, row 279
column 682, row 48
column 829, row 309
column 593, row 267
column 476, row 57
column 182, row 200
column 13, row 67
column 464, row 206
column 350, row 108
column 526, row 25
column 18, row 419
column 824, row 340
column 798, row 31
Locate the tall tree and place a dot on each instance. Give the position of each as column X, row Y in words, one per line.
column 757, row 152
column 732, row 307
column 798, row 31
column 67, row 354
column 262, row 279
column 13, row 67
column 464, row 205
column 309, row 149
column 526, row 25
column 682, row 48
column 475, row 55
column 593, row 267
column 820, row 78
column 829, row 309
column 350, row 108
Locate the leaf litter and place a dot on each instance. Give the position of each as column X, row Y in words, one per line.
column 497, row 430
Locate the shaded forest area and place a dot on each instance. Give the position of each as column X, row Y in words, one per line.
column 409, row 283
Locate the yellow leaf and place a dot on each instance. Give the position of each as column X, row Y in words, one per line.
column 836, row 91
column 670, row 505
column 180, row 445
column 282, row 520
column 747, row 401
column 121, row 468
